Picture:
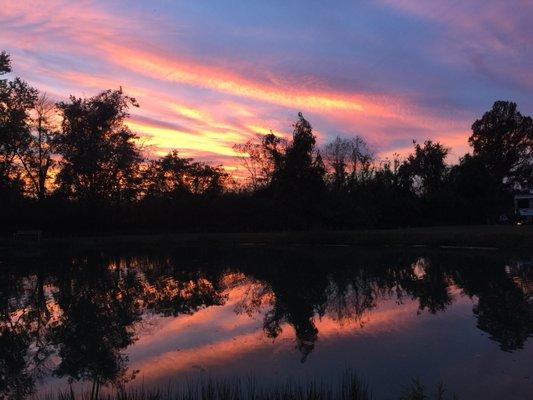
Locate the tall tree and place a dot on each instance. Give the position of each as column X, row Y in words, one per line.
column 337, row 153
column 99, row 157
column 361, row 159
column 301, row 170
column 424, row 170
column 37, row 158
column 479, row 194
column 298, row 182
column 349, row 160
column 261, row 156
column 17, row 99
column 503, row 140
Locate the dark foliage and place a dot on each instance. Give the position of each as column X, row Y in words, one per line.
column 503, row 140
column 75, row 166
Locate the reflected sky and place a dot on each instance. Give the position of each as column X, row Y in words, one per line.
column 158, row 318
column 388, row 346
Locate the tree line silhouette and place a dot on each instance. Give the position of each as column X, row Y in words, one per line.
column 76, row 166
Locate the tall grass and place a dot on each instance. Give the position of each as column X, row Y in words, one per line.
column 350, row 388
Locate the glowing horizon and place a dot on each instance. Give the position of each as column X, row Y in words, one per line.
column 210, row 76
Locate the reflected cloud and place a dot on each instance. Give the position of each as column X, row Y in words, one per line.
column 106, row 319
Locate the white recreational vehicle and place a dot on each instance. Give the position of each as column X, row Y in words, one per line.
column 523, row 204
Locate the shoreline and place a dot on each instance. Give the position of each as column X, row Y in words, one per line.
column 453, row 237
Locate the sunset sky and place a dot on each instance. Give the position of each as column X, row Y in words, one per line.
column 209, row 74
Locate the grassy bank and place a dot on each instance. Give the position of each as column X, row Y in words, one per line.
column 502, row 237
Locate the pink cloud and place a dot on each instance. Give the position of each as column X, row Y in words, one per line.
column 240, row 104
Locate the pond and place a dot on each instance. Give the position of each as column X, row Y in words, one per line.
column 153, row 318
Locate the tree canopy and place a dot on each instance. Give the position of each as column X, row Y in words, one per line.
column 503, row 140
column 76, row 165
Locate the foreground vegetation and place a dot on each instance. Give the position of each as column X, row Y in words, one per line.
column 75, row 166
column 350, row 388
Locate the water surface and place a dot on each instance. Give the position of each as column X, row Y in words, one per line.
column 126, row 318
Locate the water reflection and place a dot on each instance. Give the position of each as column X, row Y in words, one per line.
column 73, row 317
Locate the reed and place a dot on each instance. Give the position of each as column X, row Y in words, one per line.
column 349, row 388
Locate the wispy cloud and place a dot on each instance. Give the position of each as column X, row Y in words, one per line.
column 208, row 77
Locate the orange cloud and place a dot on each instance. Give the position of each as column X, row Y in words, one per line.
column 238, row 106
column 370, row 112
column 175, row 70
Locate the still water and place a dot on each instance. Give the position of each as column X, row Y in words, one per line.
column 131, row 318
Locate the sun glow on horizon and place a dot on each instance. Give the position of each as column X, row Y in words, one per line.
column 202, row 91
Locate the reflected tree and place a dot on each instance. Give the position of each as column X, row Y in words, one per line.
column 25, row 319
column 87, row 308
column 428, row 283
column 16, row 381
column 100, row 307
column 171, row 290
column 506, row 316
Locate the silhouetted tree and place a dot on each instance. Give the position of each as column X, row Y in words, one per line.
column 337, row 155
column 261, row 157
column 99, row 157
column 207, row 180
column 479, row 196
column 299, row 180
column 90, row 170
column 424, row 170
column 168, row 176
column 37, row 159
column 301, row 167
column 385, row 200
column 361, row 159
column 503, row 141
column 349, row 160
column 172, row 176
column 17, row 99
